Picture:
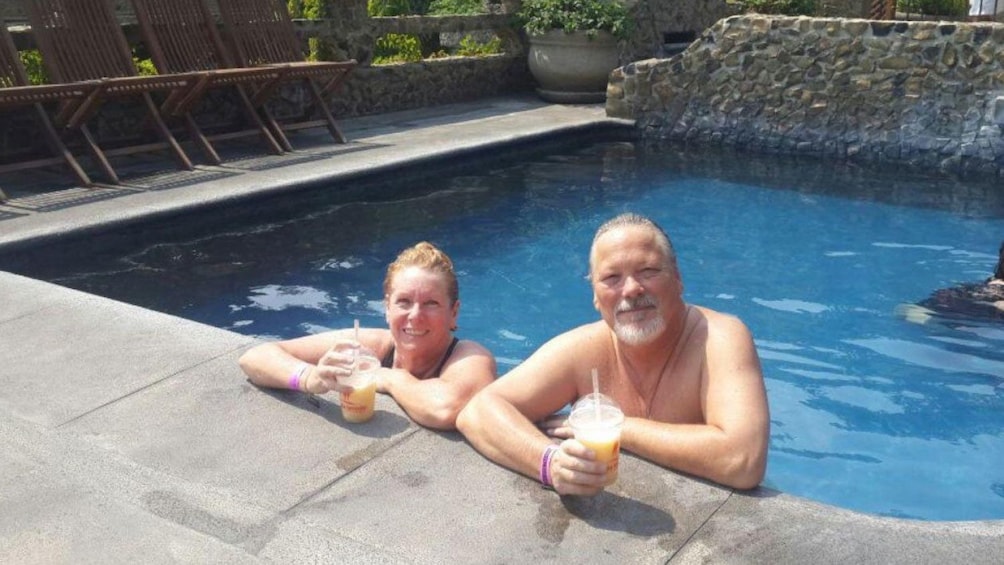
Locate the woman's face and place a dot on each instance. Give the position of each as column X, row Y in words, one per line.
column 419, row 312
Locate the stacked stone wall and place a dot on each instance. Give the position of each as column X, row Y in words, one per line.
column 654, row 19
column 929, row 94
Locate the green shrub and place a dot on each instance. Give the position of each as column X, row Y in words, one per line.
column 540, row 16
column 456, row 7
column 782, row 7
column 954, row 8
column 397, row 7
column 470, row 47
column 32, row 61
column 307, row 9
column 397, row 48
column 145, row 66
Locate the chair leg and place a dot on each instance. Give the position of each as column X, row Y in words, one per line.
column 252, row 114
column 98, row 154
column 165, row 134
column 325, row 113
column 200, row 139
column 276, row 128
column 59, row 147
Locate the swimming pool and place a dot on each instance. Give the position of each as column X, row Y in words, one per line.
column 869, row 412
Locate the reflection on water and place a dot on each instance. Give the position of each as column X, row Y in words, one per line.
column 815, row 258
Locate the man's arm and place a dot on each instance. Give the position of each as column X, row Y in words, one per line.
column 435, row 403
column 499, row 420
column 730, row 448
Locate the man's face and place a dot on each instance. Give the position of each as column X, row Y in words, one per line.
column 633, row 283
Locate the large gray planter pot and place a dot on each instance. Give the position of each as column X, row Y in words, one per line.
column 572, row 68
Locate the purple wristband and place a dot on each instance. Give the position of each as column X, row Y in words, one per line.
column 294, row 379
column 545, row 465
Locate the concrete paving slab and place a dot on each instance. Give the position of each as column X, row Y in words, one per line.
column 376, row 144
column 101, row 350
column 444, row 503
column 770, row 527
column 210, row 426
column 71, row 503
column 23, row 296
column 298, row 541
column 61, row 522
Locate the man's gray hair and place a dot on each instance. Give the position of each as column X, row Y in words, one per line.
column 629, row 219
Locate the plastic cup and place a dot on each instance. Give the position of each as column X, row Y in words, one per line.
column 357, row 406
column 596, row 422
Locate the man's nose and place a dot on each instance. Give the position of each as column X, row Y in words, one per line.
column 632, row 287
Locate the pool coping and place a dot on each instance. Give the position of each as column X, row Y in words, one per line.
column 125, row 444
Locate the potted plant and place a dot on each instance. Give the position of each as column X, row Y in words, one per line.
column 573, row 46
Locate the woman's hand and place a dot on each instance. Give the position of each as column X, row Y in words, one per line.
column 335, row 365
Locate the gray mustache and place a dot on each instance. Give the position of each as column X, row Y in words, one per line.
column 639, row 302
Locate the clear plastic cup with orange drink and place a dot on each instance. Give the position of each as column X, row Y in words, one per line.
column 358, row 403
column 596, row 423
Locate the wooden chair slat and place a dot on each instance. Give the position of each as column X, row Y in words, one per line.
column 16, row 92
column 182, row 35
column 262, row 33
column 83, row 40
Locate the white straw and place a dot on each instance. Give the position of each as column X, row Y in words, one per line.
column 355, row 351
column 596, row 392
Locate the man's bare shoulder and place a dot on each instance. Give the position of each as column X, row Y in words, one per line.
column 721, row 325
column 582, row 335
column 575, row 347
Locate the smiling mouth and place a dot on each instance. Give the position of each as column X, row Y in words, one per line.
column 414, row 333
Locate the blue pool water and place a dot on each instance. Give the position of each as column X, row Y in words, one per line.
column 869, row 411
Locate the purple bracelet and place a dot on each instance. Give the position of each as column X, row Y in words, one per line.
column 545, row 465
column 294, row 379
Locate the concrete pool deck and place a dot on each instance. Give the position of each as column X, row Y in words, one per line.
column 130, row 436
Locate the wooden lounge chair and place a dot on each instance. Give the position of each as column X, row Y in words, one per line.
column 16, row 93
column 263, row 34
column 182, row 36
column 82, row 40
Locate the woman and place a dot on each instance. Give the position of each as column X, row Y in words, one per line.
column 427, row 370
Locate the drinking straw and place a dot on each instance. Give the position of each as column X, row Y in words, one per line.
column 355, row 351
column 596, row 392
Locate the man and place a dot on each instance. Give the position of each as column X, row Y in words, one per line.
column 687, row 378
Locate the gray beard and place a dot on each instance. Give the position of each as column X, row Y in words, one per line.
column 639, row 333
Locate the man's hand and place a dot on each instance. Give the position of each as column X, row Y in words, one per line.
column 556, row 427
column 574, row 470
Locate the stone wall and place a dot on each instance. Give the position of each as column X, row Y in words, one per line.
column 925, row 93
column 655, row 20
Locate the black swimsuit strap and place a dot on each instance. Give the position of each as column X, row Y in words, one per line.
column 449, row 352
column 388, row 359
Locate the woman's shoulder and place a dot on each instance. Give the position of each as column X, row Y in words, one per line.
column 470, row 347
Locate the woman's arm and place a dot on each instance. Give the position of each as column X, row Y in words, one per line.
column 309, row 362
column 435, row 403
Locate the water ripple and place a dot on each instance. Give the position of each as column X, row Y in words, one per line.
column 931, row 357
